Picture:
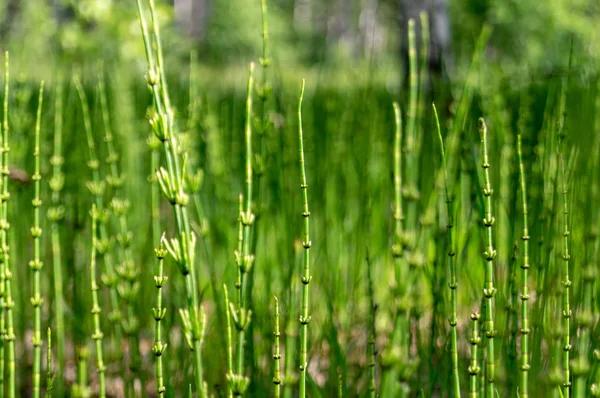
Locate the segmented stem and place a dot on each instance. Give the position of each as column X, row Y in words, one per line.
column 96, row 309
column 49, row 372
column 36, row 264
column 306, row 277
column 277, row 353
column 9, row 332
column 453, row 284
column 474, row 368
column 524, row 368
column 55, row 215
column 159, row 313
column 229, row 342
column 489, row 254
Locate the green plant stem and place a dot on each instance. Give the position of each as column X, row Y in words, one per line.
column 277, row 353
column 9, row 332
column 453, row 284
column 55, row 215
column 229, row 343
column 159, row 313
column 525, row 367
column 489, row 254
column 372, row 333
column 36, row 264
column 306, row 277
column 49, row 372
column 474, row 368
column 96, row 309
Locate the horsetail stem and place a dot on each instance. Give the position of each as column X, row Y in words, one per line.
column 97, row 335
column 524, row 368
column 81, row 388
column 36, row 264
column 55, row 216
column 159, row 313
column 172, row 185
column 229, row 343
column 49, row 373
column 126, row 270
column 9, row 332
column 306, row 277
column 489, row 254
column 372, row 333
column 474, row 368
column 566, row 282
column 276, row 354
column 453, row 284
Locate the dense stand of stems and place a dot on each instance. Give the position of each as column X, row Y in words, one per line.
column 306, row 243
column 524, row 363
column 276, row 352
column 159, row 313
column 97, row 335
column 55, row 215
column 489, row 254
column 36, row 264
column 452, row 284
column 172, row 184
column 6, row 273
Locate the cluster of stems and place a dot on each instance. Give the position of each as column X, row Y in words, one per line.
column 36, row 264
column 8, row 338
column 525, row 330
column 97, row 335
column 172, row 183
column 55, row 215
column 489, row 254
column 306, row 277
column 452, row 284
column 126, row 270
column 159, row 313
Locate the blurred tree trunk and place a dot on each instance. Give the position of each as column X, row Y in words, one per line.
column 192, row 17
column 439, row 26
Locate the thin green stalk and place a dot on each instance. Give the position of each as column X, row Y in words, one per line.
column 277, row 354
column 566, row 282
column 49, row 373
column 81, row 388
column 55, row 216
column 229, row 347
column 36, row 264
column 340, row 386
column 489, row 254
column 159, row 313
column 525, row 367
column 371, row 351
column 474, row 367
column 453, row 284
column 96, row 309
column 306, row 277
column 9, row 332
column 171, row 181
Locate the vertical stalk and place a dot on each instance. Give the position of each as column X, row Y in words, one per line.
column 229, row 347
column 524, row 368
column 36, row 264
column 453, row 284
column 55, row 215
column 159, row 313
column 489, row 254
column 277, row 353
column 372, row 333
column 96, row 309
column 49, row 372
column 9, row 332
column 306, row 277
column 474, row 368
